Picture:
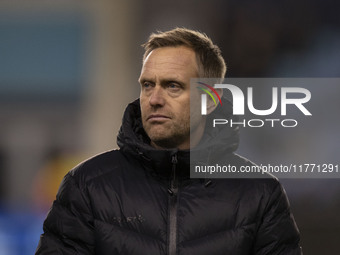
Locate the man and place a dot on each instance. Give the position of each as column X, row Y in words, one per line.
column 140, row 199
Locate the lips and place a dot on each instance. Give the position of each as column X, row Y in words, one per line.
column 157, row 117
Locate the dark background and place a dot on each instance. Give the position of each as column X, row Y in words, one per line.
column 68, row 69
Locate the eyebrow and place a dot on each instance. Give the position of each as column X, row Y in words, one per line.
column 163, row 81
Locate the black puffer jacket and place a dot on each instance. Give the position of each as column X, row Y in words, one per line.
column 139, row 200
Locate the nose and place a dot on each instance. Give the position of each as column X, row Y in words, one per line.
column 157, row 96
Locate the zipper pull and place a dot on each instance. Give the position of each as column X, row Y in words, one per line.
column 174, row 160
column 170, row 192
column 173, row 186
column 174, row 163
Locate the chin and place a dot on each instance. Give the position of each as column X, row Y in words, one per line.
column 163, row 142
column 159, row 134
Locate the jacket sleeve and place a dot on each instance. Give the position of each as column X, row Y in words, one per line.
column 68, row 228
column 277, row 233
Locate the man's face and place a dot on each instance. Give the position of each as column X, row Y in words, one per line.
column 165, row 96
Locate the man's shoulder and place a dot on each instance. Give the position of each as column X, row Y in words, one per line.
column 240, row 160
column 259, row 189
column 105, row 163
column 246, row 168
column 245, row 175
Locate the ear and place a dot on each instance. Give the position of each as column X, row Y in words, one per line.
column 211, row 105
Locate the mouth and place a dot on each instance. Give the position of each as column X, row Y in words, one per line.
column 157, row 117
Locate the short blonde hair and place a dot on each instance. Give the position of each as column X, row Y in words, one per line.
column 209, row 59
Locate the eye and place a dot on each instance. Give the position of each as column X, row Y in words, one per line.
column 146, row 85
column 174, row 86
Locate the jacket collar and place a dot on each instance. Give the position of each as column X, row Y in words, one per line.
column 132, row 139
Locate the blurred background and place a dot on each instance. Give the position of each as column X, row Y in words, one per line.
column 68, row 68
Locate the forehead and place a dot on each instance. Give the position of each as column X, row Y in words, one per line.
column 168, row 59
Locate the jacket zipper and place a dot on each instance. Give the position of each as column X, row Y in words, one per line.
column 173, row 208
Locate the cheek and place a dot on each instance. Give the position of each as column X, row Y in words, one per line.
column 143, row 105
column 185, row 116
